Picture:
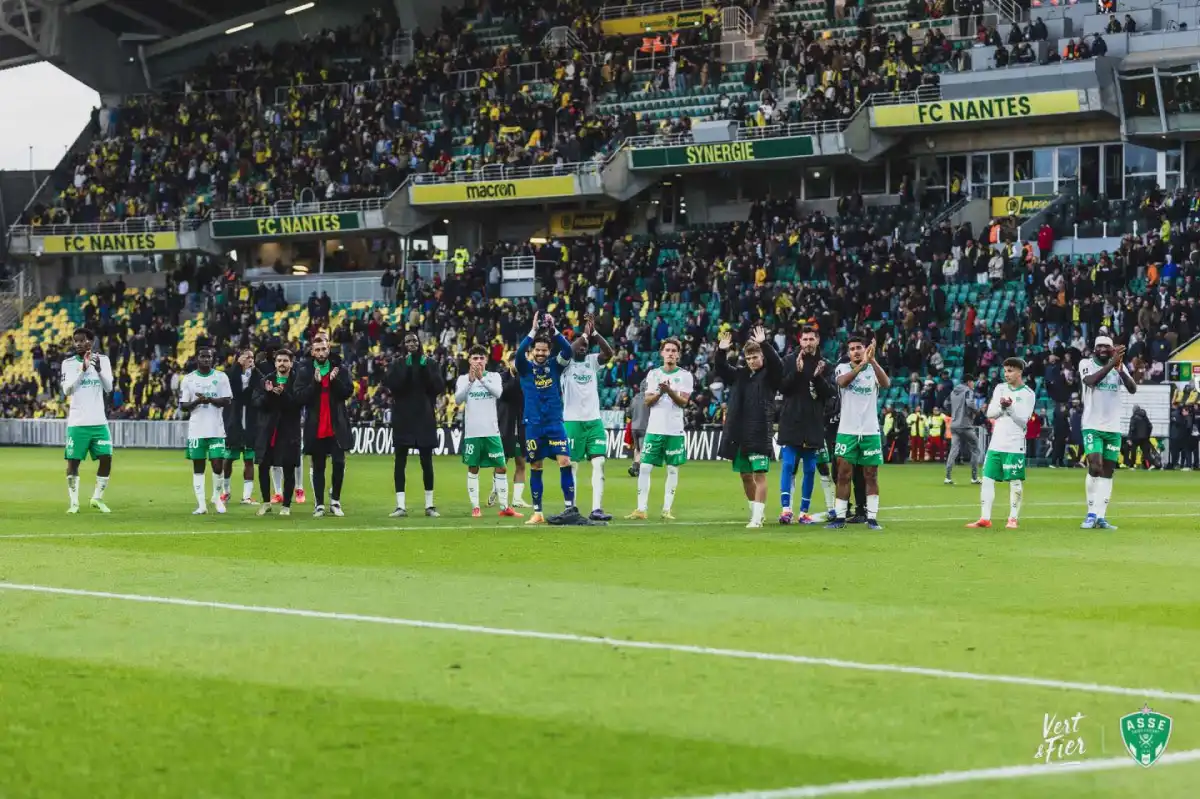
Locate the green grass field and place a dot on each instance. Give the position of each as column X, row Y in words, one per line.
column 373, row 657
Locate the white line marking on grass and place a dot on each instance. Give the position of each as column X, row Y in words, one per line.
column 739, row 654
column 952, row 778
column 268, row 528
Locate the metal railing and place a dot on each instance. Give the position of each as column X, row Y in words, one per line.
column 138, row 225
column 743, row 134
column 617, row 11
column 16, row 296
column 344, row 287
column 491, row 172
column 293, row 208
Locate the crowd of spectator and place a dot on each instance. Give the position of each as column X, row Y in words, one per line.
column 782, row 267
column 354, row 112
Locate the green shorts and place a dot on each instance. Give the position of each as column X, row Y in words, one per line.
column 87, row 440
column 205, row 449
column 486, row 452
column 1107, row 445
column 587, row 440
column 866, row 450
column 746, row 463
column 662, row 450
column 822, row 455
column 240, row 454
column 1004, row 466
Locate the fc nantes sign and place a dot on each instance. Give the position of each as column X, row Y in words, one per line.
column 976, row 109
column 273, row 227
column 711, row 155
column 487, row 191
column 111, row 242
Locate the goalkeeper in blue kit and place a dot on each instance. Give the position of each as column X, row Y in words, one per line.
column 541, row 358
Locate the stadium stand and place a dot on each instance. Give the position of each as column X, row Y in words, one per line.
column 1109, row 239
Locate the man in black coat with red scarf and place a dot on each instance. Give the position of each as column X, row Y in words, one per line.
column 327, row 434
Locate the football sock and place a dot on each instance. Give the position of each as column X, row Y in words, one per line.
column 597, row 483
column 518, row 492
column 400, row 501
column 672, row 483
column 98, row 491
column 872, row 506
column 1089, row 484
column 987, row 496
column 643, row 500
column 808, row 481
column 247, row 489
column 840, row 507
column 787, row 476
column 535, row 488
column 827, row 487
column 500, row 481
column 429, row 497
column 1016, row 492
column 198, row 489
column 73, row 488
column 757, row 511
column 1104, row 489
column 473, row 490
column 566, row 479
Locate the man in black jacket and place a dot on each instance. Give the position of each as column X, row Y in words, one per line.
column 241, row 423
column 280, row 401
column 326, row 424
column 415, row 382
column 747, row 437
column 510, row 412
column 806, row 396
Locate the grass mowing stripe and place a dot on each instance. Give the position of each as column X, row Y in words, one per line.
column 413, row 528
column 951, row 778
column 691, row 649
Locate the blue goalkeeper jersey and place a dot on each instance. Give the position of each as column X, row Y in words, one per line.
column 542, row 385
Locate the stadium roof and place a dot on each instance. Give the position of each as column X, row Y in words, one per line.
column 30, row 29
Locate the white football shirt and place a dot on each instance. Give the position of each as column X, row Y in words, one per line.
column 205, row 421
column 581, row 390
column 1101, row 402
column 480, row 397
column 860, row 402
column 87, row 398
column 1008, row 432
column 666, row 418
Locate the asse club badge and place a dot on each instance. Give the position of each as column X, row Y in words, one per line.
column 1145, row 734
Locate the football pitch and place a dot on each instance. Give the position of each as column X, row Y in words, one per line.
column 150, row 653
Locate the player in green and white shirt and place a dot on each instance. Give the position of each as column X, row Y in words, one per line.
column 668, row 389
column 1011, row 407
column 203, row 395
column 586, row 438
column 858, row 442
column 86, row 378
column 1103, row 375
column 482, row 445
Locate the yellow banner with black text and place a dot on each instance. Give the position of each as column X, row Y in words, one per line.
column 110, row 243
column 976, row 109
column 487, row 191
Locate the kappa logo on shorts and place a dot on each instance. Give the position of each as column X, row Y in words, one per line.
column 869, row 452
column 599, row 441
column 1014, row 466
column 495, row 455
column 678, row 451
